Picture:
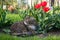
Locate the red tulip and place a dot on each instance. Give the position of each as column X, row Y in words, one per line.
column 38, row 6
column 44, row 4
column 46, row 9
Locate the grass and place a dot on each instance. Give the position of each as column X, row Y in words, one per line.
column 9, row 37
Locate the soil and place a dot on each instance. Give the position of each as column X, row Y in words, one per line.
column 54, row 32
column 51, row 32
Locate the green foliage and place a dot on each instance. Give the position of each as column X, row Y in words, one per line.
column 9, row 37
column 2, row 17
column 3, row 21
column 22, row 13
column 52, row 38
column 13, row 17
column 47, row 21
column 7, row 19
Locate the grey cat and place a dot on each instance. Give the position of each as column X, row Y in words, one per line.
column 27, row 26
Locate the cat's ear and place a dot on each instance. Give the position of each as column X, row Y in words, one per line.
column 27, row 17
column 32, row 18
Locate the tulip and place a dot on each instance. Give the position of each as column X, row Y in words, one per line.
column 38, row 6
column 44, row 4
column 46, row 9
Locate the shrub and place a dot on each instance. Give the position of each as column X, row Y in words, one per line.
column 6, row 19
column 13, row 17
